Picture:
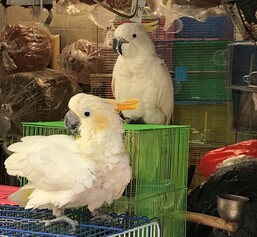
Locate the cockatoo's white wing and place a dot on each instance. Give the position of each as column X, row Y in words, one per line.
column 164, row 87
column 53, row 165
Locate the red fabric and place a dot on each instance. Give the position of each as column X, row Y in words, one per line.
column 5, row 191
column 209, row 162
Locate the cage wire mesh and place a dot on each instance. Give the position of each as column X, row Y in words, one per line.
column 242, row 14
column 241, row 78
column 211, row 127
column 233, row 12
column 201, row 97
column 211, row 124
column 15, row 221
column 213, row 28
column 199, row 68
column 159, row 33
column 245, row 135
column 243, row 113
column 242, row 63
column 159, row 159
column 197, row 151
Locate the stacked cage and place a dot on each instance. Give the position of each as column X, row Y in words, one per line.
column 159, row 159
column 242, row 80
column 201, row 96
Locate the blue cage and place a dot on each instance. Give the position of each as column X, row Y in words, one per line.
column 15, row 221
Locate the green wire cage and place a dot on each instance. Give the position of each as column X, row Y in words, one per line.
column 203, row 77
column 159, row 159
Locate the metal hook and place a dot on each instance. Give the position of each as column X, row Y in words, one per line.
column 248, row 78
column 117, row 12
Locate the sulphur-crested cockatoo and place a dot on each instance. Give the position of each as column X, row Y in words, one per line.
column 90, row 168
column 140, row 73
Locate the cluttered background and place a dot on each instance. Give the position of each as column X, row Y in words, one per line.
column 50, row 51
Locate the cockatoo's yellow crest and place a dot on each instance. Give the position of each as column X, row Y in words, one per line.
column 151, row 26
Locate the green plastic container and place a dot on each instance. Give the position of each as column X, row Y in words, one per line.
column 159, row 159
column 205, row 62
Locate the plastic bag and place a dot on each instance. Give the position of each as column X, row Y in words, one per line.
column 119, row 4
column 210, row 161
column 34, row 96
column 80, row 59
column 73, row 7
column 25, row 48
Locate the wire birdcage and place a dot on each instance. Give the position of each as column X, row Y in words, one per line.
column 16, row 221
column 242, row 14
column 211, row 123
column 241, row 78
column 199, row 68
column 213, row 28
column 242, row 66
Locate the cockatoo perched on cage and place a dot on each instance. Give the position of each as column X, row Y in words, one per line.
column 140, row 73
column 90, row 168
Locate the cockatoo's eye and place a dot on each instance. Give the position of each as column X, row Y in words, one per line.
column 134, row 35
column 87, row 113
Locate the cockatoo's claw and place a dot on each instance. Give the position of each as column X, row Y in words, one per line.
column 136, row 121
column 66, row 219
column 102, row 217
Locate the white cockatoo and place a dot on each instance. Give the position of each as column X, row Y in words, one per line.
column 139, row 72
column 63, row 171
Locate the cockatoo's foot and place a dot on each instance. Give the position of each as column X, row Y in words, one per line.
column 122, row 116
column 136, row 121
column 102, row 217
column 63, row 218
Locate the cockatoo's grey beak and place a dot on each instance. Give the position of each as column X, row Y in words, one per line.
column 72, row 122
column 119, row 43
